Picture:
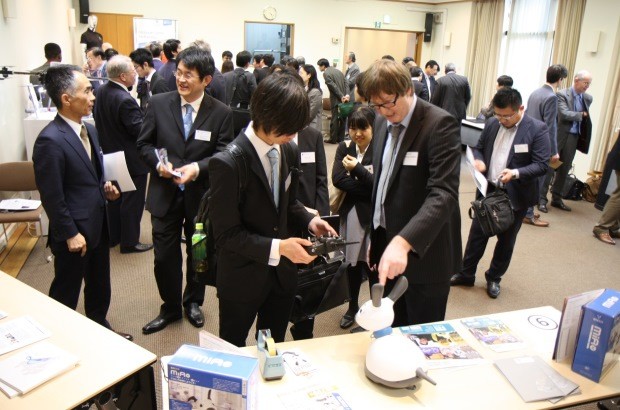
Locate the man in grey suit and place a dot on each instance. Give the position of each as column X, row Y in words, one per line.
column 351, row 74
column 416, row 223
column 543, row 105
column 574, row 130
column 337, row 85
column 452, row 93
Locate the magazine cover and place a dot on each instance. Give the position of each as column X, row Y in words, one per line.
column 442, row 345
column 493, row 333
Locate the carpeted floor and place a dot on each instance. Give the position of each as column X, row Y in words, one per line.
column 548, row 264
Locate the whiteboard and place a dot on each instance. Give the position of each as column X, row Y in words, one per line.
column 147, row 30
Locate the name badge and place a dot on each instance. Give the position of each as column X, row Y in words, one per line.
column 308, row 157
column 287, row 183
column 411, row 159
column 202, row 135
column 521, row 148
column 369, row 168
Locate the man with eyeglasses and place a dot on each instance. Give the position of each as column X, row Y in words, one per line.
column 192, row 126
column 118, row 120
column 513, row 149
column 574, row 131
column 416, row 223
column 149, row 81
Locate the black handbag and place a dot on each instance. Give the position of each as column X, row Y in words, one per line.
column 321, row 286
column 573, row 188
column 494, row 212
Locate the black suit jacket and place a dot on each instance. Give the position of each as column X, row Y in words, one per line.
column 158, row 85
column 261, row 73
column 217, row 87
column 357, row 184
column 453, row 95
column 163, row 128
column 420, row 90
column 118, row 119
column 312, row 191
column 421, row 202
column 244, row 231
column 71, row 190
column 532, row 142
column 433, row 84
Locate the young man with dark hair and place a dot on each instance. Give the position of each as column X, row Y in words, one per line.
column 240, row 84
column 227, row 56
column 514, row 149
column 502, row 81
column 53, row 55
column 262, row 63
column 257, row 275
column 68, row 169
column 431, row 68
column 338, row 93
column 172, row 47
column 150, row 83
column 416, row 78
column 192, row 126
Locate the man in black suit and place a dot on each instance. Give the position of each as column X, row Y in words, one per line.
column 68, row 167
column 118, row 120
column 513, row 148
column 338, row 93
column 257, row 275
column 416, row 224
column 152, row 83
column 172, row 48
column 416, row 78
column 191, row 126
column 431, row 68
column 452, row 93
column 312, row 191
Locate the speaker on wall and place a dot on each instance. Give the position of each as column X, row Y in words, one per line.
column 428, row 27
column 84, row 11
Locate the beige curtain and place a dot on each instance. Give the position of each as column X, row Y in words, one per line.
column 567, row 32
column 610, row 115
column 485, row 37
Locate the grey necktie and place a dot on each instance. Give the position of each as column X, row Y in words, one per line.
column 386, row 170
column 187, row 120
column 273, row 155
column 85, row 140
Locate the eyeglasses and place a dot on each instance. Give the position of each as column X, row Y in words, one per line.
column 187, row 75
column 505, row 117
column 586, row 82
column 389, row 104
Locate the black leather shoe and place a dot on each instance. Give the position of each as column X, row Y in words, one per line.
column 140, row 247
column 543, row 208
column 194, row 315
column 346, row 321
column 126, row 336
column 158, row 324
column 561, row 205
column 458, row 279
column 493, row 289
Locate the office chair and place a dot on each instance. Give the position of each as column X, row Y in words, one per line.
column 17, row 177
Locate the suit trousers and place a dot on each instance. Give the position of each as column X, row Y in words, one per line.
column 567, row 146
column 336, row 126
column 477, row 243
column 610, row 218
column 169, row 260
column 544, row 186
column 272, row 306
column 70, row 268
column 125, row 214
column 421, row 303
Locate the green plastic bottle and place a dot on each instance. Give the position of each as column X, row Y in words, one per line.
column 199, row 249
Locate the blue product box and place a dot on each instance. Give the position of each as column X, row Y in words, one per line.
column 598, row 345
column 200, row 378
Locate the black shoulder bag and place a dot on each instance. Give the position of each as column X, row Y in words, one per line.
column 494, row 212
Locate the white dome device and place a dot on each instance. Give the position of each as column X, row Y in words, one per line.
column 392, row 360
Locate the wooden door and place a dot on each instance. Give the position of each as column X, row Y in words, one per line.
column 117, row 29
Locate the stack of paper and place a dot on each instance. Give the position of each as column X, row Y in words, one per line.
column 33, row 366
column 20, row 332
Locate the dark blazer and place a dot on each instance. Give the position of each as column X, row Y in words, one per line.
column 163, row 127
column 433, row 84
column 71, row 190
column 244, row 232
column 158, row 85
column 452, row 94
column 420, row 90
column 533, row 163
column 421, row 202
column 312, row 191
column 246, row 84
column 167, row 73
column 357, row 184
column 118, row 119
column 543, row 106
column 567, row 114
column 261, row 73
column 217, row 86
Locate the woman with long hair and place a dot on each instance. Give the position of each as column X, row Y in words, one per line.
column 315, row 95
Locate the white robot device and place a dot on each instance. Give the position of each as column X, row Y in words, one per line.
column 392, row 359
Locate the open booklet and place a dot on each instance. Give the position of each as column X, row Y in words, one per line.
column 493, row 333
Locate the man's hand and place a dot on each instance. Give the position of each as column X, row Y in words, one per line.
column 349, row 162
column 394, row 259
column 111, row 192
column 77, row 244
column 480, row 166
column 164, row 171
column 188, row 174
column 293, row 249
column 505, row 176
column 584, row 114
column 319, row 227
column 555, row 158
